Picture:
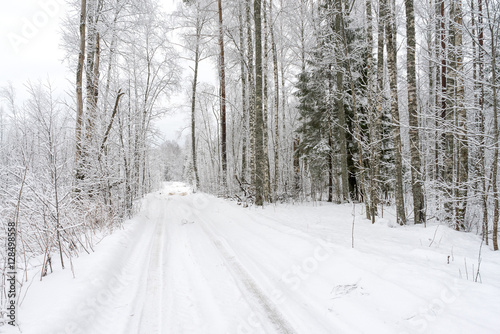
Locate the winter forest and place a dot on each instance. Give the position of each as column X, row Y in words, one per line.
column 387, row 107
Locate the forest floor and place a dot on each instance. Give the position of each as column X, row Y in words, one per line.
column 196, row 264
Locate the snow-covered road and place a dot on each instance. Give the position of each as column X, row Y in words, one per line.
column 193, row 263
column 196, row 281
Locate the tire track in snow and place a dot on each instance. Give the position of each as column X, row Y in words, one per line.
column 247, row 254
column 188, row 303
column 152, row 311
column 115, row 292
column 181, row 315
column 270, row 310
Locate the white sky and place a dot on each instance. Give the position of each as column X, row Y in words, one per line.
column 29, row 40
column 29, row 50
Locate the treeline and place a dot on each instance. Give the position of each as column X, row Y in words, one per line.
column 384, row 102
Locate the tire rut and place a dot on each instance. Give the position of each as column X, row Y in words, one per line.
column 242, row 277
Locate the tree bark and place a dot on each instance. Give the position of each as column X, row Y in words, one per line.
column 93, row 58
column 342, row 123
column 276, row 103
column 463, row 141
column 259, row 126
column 481, row 115
column 251, row 99
column 244, row 121
column 79, row 93
column 265, row 144
column 375, row 113
column 416, row 175
column 380, row 89
column 396, row 134
column 223, row 98
column 198, row 28
column 494, row 179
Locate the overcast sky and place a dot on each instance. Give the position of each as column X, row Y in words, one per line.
column 29, row 44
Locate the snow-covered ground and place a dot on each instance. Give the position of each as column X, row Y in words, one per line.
column 193, row 263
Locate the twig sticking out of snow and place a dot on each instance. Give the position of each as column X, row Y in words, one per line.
column 434, row 237
column 478, row 275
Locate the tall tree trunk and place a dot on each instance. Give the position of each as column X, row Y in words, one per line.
column 447, row 115
column 251, row 99
column 342, row 123
column 451, row 142
column 481, row 115
column 244, row 121
column 288, row 141
column 330, row 111
column 443, row 84
column 496, row 134
column 416, row 174
column 265, row 67
column 93, row 54
column 79, row 93
column 223, row 98
column 374, row 113
column 437, row 94
column 330, row 103
column 259, row 126
column 276, row 102
column 342, row 134
column 428, row 163
column 331, row 173
column 463, row 141
column 193, row 102
column 380, row 89
column 495, row 154
column 396, row 131
column 296, row 169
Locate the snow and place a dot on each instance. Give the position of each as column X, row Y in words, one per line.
column 194, row 263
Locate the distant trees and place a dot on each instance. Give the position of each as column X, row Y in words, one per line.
column 128, row 66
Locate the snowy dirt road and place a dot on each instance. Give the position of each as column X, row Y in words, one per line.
column 196, row 283
column 193, row 263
